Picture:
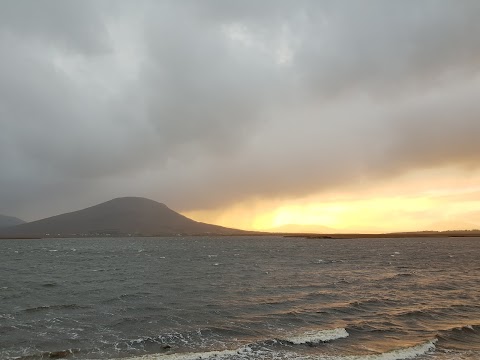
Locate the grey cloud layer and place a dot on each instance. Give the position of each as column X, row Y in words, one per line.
column 203, row 103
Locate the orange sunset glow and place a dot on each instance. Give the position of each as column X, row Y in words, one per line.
column 441, row 199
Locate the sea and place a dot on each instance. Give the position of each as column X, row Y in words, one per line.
column 240, row 298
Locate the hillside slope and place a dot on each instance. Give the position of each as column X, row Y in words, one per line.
column 118, row 217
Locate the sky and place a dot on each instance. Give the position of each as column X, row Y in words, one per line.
column 353, row 115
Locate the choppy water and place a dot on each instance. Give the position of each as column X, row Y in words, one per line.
column 240, row 298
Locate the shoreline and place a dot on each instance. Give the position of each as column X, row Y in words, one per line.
column 421, row 234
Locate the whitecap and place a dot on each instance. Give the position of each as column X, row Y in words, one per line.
column 246, row 352
column 193, row 356
column 397, row 354
column 318, row 336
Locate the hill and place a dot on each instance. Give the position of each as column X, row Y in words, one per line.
column 118, row 217
column 9, row 221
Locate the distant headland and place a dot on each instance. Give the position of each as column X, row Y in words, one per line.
column 126, row 216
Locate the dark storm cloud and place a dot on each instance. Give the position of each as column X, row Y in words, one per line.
column 76, row 26
column 203, row 103
column 382, row 46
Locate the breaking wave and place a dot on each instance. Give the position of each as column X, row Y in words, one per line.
column 252, row 352
column 397, row 354
column 316, row 337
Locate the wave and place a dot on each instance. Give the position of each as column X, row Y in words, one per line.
column 56, row 307
column 51, row 284
column 250, row 352
column 49, row 355
column 430, row 312
column 316, row 337
column 396, row 276
column 167, row 341
column 180, row 341
column 460, row 338
column 210, row 337
column 165, row 344
column 367, row 304
column 358, row 306
column 397, row 354
column 217, row 355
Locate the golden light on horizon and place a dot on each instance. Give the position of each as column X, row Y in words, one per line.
column 376, row 215
column 419, row 201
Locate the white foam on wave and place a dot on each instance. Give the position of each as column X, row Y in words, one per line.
column 247, row 353
column 243, row 352
column 398, row 354
column 318, row 336
column 257, row 352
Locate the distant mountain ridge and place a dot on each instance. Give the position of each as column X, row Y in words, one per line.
column 127, row 216
column 10, row 221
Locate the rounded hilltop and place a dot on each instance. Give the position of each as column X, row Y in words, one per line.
column 123, row 216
